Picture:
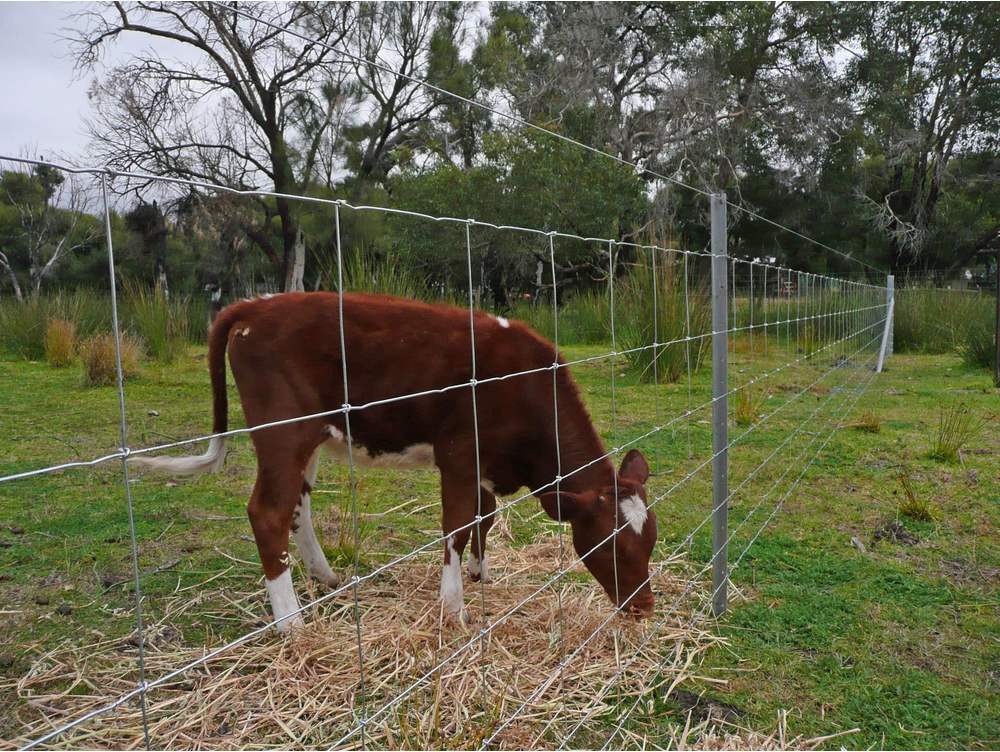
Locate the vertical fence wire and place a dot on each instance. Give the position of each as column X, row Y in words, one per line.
column 687, row 351
column 477, row 529
column 612, row 258
column 361, row 698
column 123, row 438
column 558, row 447
column 764, row 307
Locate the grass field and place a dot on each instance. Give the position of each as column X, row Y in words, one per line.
column 900, row 639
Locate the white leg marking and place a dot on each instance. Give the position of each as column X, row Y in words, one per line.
column 451, row 582
column 284, row 602
column 305, row 534
column 480, row 569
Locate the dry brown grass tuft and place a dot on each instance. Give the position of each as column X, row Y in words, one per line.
column 60, row 342
column 868, row 421
column 98, row 357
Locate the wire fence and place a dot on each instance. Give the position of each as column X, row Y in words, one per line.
column 789, row 354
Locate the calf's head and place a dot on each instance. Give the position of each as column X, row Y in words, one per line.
column 619, row 562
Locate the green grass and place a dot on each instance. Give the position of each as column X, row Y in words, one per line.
column 901, row 641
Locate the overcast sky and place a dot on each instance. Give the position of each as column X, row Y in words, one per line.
column 41, row 105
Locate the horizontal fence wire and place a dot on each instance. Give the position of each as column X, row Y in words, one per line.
column 838, row 315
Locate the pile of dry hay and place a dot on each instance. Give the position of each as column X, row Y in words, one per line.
column 304, row 691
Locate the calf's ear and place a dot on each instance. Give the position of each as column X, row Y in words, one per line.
column 634, row 467
column 563, row 506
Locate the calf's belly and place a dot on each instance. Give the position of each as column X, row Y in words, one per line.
column 413, row 456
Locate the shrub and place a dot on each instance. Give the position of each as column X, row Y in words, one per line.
column 161, row 322
column 956, row 427
column 98, row 357
column 60, row 342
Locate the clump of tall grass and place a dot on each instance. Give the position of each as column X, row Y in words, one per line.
column 642, row 317
column 97, row 354
column 24, row 324
column 583, row 318
column 60, row 342
column 747, row 405
column 364, row 272
column 957, row 426
column 932, row 320
column 976, row 342
column 161, row 322
column 912, row 506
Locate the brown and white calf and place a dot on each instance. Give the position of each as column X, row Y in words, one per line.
column 286, row 358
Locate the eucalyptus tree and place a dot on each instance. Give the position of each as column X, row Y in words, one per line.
column 928, row 83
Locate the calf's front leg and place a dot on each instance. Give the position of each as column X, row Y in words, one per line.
column 478, row 560
column 304, row 533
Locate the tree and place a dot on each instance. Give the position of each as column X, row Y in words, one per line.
column 225, row 106
column 928, row 75
column 43, row 221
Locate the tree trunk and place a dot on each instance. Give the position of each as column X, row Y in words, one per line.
column 295, row 266
column 13, row 278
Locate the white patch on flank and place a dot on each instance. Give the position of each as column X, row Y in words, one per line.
column 451, row 582
column 480, row 569
column 503, row 322
column 209, row 462
column 305, row 536
column 634, row 511
column 415, row 455
column 284, row 602
column 268, row 295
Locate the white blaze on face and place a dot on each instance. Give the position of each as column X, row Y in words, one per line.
column 634, row 511
column 284, row 601
column 451, row 582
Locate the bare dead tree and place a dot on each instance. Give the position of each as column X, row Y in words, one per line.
column 225, row 101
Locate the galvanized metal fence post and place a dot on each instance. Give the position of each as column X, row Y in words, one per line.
column 720, row 406
column 890, row 305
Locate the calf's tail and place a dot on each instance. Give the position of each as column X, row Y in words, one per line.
column 211, row 461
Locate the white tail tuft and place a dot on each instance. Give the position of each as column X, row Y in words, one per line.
column 209, row 462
